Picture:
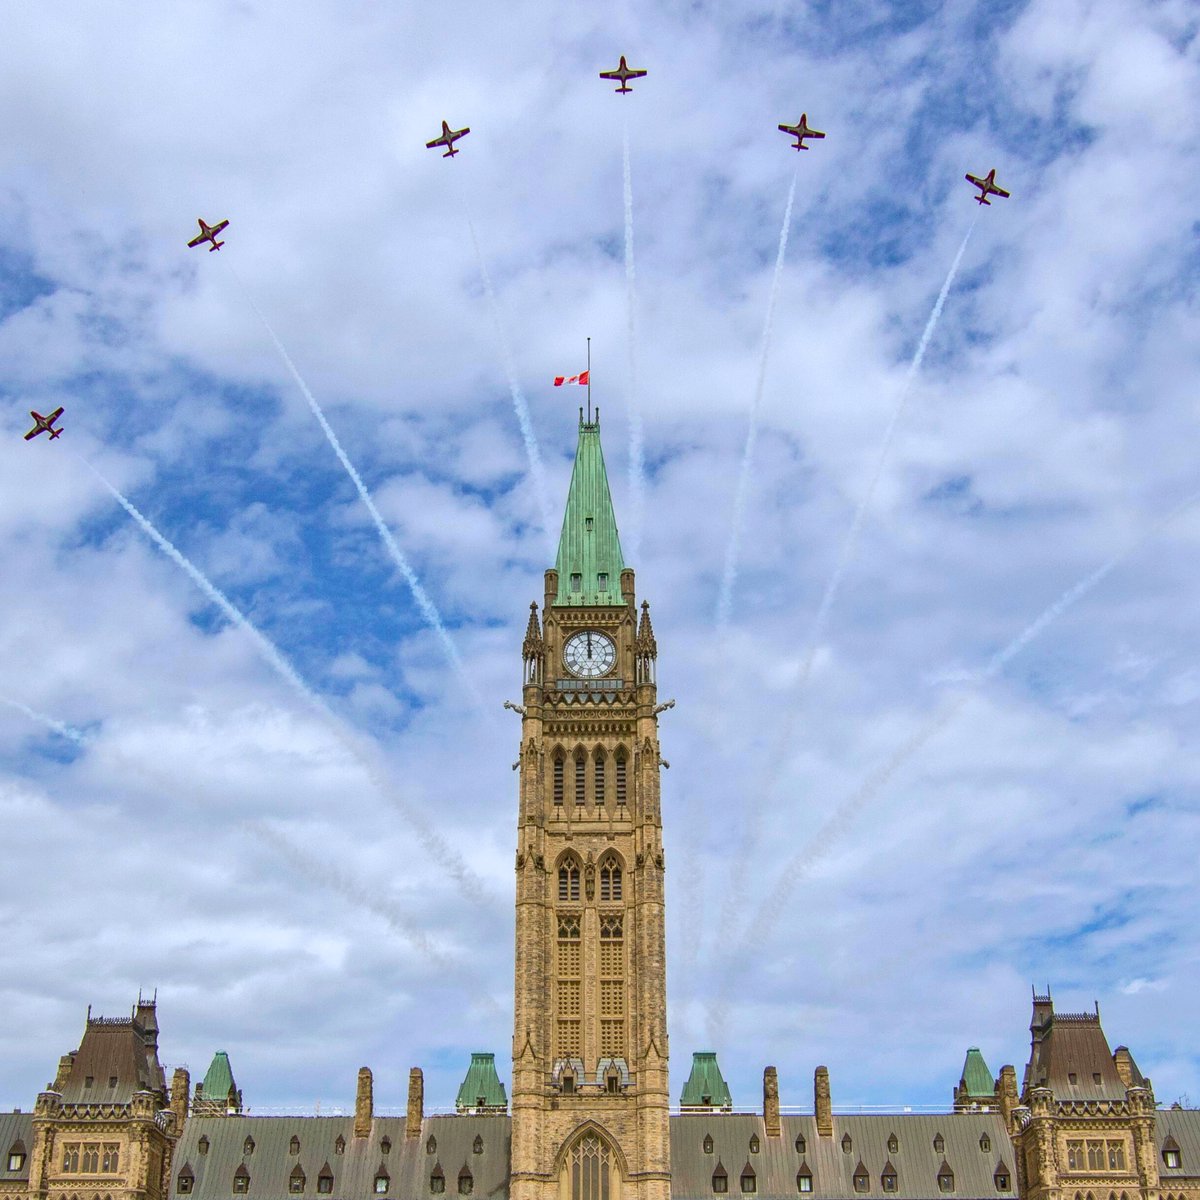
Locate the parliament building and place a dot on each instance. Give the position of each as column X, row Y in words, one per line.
column 590, row 1115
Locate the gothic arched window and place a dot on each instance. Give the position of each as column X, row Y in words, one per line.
column 610, row 878
column 568, row 879
column 294, row 1146
column 559, row 771
column 580, row 776
column 621, row 763
column 592, row 1173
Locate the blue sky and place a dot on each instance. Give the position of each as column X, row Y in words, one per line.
column 288, row 889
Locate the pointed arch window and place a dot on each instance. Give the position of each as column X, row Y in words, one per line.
column 560, row 768
column 294, row 1145
column 339, row 1147
column 708, row 1143
column 580, row 776
column 893, row 1144
column 801, row 1144
column 939, row 1144
column 296, row 1180
column 598, row 776
column 248, row 1147
column 720, row 1181
column 437, row 1180
column 431, row 1145
column 621, row 764
column 610, row 879
column 754, row 1146
column 847, row 1144
column 592, row 1174
column 477, row 1145
column 568, row 879
column 466, row 1182
column 985, row 1143
column 202, row 1145
column 386, row 1145
column 748, row 1181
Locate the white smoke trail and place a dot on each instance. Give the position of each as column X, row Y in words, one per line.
column 319, row 869
column 760, row 927
column 732, row 551
column 758, row 798
column 469, row 883
column 428, row 610
column 637, row 450
column 537, row 469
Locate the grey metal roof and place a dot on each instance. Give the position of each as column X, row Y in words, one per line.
column 407, row 1165
column 777, row 1162
column 1183, row 1124
column 15, row 1127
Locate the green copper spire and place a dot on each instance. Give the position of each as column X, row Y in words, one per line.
column 589, row 559
column 706, row 1087
column 976, row 1077
column 481, row 1090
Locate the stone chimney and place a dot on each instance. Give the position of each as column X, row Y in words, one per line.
column 771, row 1102
column 1006, row 1093
column 364, row 1104
column 1123, row 1061
column 822, row 1105
column 416, row 1103
column 181, row 1086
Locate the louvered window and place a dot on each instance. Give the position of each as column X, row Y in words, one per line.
column 559, row 769
column 580, row 777
column 621, row 765
column 568, row 880
column 598, row 778
column 569, row 1043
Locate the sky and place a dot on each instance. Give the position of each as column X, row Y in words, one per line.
column 882, row 828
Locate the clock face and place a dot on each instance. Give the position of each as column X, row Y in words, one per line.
column 589, row 654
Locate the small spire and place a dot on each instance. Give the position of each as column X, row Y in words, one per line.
column 533, row 634
column 645, row 635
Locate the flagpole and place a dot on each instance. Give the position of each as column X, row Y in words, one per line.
column 589, row 369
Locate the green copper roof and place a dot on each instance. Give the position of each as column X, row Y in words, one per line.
column 219, row 1080
column 976, row 1076
column 706, row 1086
column 589, row 559
column 482, row 1087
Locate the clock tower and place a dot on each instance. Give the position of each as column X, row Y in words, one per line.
column 590, row 1098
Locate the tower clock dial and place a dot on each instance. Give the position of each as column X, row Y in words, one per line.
column 589, row 654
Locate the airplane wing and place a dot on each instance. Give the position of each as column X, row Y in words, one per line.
column 32, row 433
column 217, row 228
column 999, row 191
column 444, row 140
column 610, row 74
column 977, row 182
column 58, row 412
column 200, row 237
column 635, row 74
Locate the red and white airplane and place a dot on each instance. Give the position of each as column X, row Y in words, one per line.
column 208, row 233
column 987, row 185
column 624, row 74
column 45, row 424
column 800, row 131
column 448, row 138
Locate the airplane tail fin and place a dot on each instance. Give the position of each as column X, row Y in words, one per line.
column 55, row 433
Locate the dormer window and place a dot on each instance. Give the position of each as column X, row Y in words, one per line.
column 386, row 1145
column 708, row 1143
column 862, row 1181
column 112, row 1081
column 1171, row 1157
column 847, row 1144
column 477, row 1146
column 801, row 1144
column 466, row 1182
column 16, row 1156
column 88, row 1081
column 588, row 522
column 889, row 1181
column 294, row 1145
column 939, row 1144
column 381, row 1185
column 720, row 1181
column 602, row 581
column 297, row 1180
column 576, row 582
column 202, row 1145
column 339, row 1147
column 893, row 1144
column 431, row 1145
column 185, row 1180
column 568, row 1083
column 945, row 1178
column 325, row 1181
column 1072, row 1077
column 985, row 1143
column 241, row 1180
column 1001, row 1179
column 804, row 1179
column 248, row 1146
column 437, row 1180
column 748, row 1181
column 754, row 1143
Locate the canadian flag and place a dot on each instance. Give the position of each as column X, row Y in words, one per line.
column 559, row 380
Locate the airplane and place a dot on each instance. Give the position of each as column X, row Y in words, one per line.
column 800, row 131
column 45, row 424
column 208, row 233
column 987, row 185
column 448, row 138
column 624, row 74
